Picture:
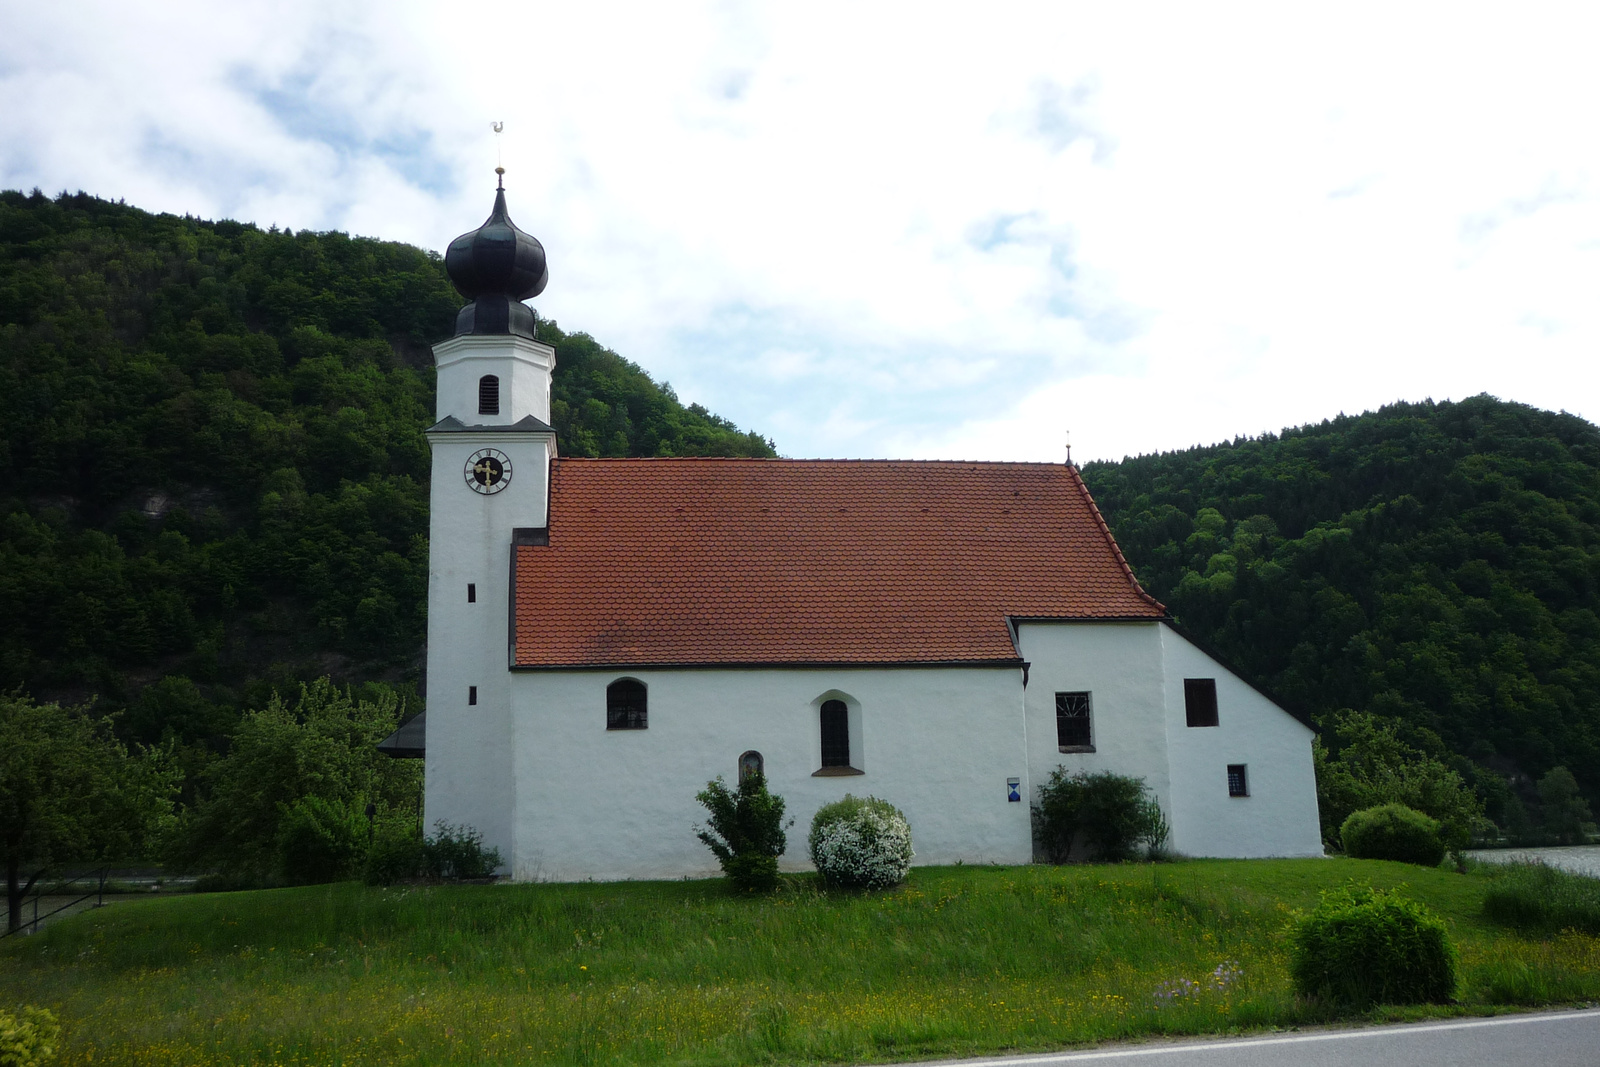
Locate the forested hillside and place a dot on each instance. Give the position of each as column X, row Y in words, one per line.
column 213, row 483
column 1437, row 564
column 212, row 470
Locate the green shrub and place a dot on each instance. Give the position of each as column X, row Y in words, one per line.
column 458, row 852
column 30, row 1040
column 320, row 841
column 745, row 832
column 861, row 843
column 1363, row 946
column 1534, row 898
column 398, row 853
column 1110, row 814
column 1393, row 832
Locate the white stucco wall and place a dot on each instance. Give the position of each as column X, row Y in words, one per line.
column 1134, row 673
column 1279, row 817
column 469, row 765
column 523, row 366
column 607, row 804
column 1119, row 665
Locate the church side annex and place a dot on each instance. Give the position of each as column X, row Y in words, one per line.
column 605, row 635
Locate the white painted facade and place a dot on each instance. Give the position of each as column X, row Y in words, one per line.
column 607, row 804
column 532, row 765
column 469, row 767
column 1134, row 673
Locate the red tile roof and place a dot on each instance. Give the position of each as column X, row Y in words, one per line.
column 773, row 561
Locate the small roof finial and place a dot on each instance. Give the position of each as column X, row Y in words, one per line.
column 1069, row 448
column 499, row 164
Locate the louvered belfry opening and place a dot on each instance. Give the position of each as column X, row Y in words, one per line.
column 835, row 734
column 488, row 395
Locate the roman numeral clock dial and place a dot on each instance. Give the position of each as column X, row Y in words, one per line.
column 488, row 471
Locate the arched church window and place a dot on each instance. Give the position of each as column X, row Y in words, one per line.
column 625, row 705
column 835, row 734
column 488, row 395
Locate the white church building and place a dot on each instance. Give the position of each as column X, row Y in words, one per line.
column 606, row 635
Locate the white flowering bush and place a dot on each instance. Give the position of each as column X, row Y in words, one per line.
column 861, row 843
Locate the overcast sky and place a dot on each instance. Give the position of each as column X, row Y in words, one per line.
column 913, row 230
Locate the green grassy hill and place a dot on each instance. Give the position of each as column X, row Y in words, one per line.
column 959, row 961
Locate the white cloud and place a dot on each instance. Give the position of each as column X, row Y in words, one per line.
column 879, row 230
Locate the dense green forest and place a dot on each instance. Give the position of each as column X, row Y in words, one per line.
column 1437, row 564
column 213, row 486
column 213, row 478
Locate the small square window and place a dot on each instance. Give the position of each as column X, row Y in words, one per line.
column 472, row 593
column 1238, row 784
column 472, row 694
column 1074, row 723
column 1200, row 701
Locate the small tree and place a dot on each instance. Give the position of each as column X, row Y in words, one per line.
column 1112, row 814
column 745, row 831
column 69, row 790
column 1566, row 813
column 322, row 746
column 1372, row 766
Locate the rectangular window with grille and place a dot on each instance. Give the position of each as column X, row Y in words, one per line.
column 1200, row 701
column 1074, row 723
column 1238, row 784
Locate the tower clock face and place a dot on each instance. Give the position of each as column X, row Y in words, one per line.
column 488, row 471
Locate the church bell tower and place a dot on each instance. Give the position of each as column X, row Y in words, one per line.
column 492, row 446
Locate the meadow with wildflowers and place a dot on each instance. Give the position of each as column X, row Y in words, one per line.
column 957, row 961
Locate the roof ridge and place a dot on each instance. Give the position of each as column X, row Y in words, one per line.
column 802, row 459
column 1116, row 550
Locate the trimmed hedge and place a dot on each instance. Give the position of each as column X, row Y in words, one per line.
column 1363, row 946
column 1393, row 832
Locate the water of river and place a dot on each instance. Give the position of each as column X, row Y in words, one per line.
column 1580, row 859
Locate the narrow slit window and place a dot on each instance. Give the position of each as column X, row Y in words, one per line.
column 1238, row 783
column 835, row 734
column 472, row 694
column 1200, row 701
column 1074, row 723
column 488, row 395
column 626, row 707
column 472, row 593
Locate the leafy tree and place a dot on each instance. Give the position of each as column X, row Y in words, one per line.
column 69, row 791
column 213, row 474
column 745, row 831
column 1371, row 767
column 294, row 775
column 1566, row 814
column 1434, row 564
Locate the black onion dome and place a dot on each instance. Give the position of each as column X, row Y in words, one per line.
column 497, row 266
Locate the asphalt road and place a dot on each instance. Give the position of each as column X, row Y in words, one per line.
column 1555, row 1039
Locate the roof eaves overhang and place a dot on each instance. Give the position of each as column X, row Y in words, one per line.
column 1009, row 663
column 526, row 424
